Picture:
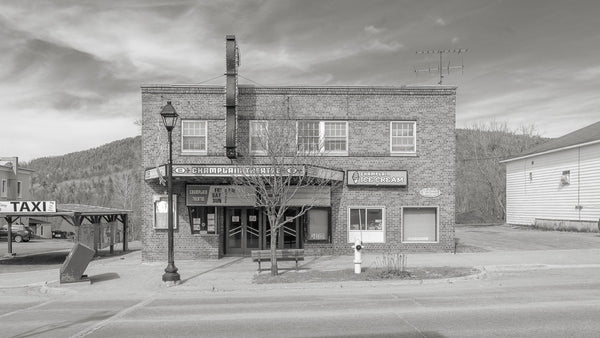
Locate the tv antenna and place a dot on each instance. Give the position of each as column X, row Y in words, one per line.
column 440, row 68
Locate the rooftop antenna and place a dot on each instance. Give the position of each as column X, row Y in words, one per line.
column 440, row 68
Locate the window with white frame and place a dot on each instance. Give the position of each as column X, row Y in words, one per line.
column 258, row 137
column 419, row 224
column 19, row 192
column 3, row 191
column 193, row 136
column 327, row 137
column 403, row 137
column 366, row 224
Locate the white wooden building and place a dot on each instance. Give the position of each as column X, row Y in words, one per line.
column 557, row 184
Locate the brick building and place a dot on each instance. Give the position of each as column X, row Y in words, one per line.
column 393, row 148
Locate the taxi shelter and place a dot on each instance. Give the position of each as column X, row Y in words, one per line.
column 89, row 221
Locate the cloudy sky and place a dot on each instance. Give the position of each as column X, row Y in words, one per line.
column 71, row 70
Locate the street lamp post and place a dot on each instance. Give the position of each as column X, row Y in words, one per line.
column 169, row 116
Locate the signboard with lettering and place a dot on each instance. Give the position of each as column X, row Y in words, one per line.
column 430, row 192
column 193, row 170
column 27, row 206
column 161, row 211
column 398, row 178
column 219, row 195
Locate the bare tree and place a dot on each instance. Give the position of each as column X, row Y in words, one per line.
column 481, row 181
column 279, row 173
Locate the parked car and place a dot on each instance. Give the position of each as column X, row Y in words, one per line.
column 20, row 232
column 61, row 234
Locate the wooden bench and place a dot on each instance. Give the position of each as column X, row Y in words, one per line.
column 282, row 255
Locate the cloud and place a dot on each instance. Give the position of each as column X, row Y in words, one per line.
column 372, row 30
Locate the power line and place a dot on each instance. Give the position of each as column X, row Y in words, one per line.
column 245, row 78
column 214, row 78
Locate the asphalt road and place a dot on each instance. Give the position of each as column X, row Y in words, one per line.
column 534, row 303
column 537, row 302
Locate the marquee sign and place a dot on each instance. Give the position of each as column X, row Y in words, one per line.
column 182, row 170
column 219, row 195
column 398, row 178
column 27, row 206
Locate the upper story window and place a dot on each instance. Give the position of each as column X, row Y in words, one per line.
column 328, row 137
column 259, row 141
column 403, row 137
column 3, row 191
column 193, row 136
column 19, row 191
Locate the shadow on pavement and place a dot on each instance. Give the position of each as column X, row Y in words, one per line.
column 47, row 258
column 104, row 277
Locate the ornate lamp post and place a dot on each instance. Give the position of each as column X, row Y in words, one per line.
column 169, row 116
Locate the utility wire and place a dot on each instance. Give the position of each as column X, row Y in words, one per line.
column 214, row 78
column 245, row 78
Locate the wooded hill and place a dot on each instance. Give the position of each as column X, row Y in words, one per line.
column 111, row 175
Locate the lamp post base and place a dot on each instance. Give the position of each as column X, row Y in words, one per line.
column 171, row 275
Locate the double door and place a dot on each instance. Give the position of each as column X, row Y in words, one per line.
column 248, row 229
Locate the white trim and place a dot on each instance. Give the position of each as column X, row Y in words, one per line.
column 550, row 151
column 322, row 139
column 321, row 151
column 362, row 233
column 437, row 222
column 195, row 152
column 404, row 153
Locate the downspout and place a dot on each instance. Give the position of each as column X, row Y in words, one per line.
column 579, row 182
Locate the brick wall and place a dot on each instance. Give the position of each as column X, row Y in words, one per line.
column 368, row 111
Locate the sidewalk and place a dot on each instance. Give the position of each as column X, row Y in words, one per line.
column 236, row 273
column 496, row 250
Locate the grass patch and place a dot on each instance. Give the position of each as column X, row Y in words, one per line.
column 368, row 274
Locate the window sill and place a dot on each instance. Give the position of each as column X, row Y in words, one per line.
column 198, row 234
column 404, row 154
column 193, row 153
column 420, row 242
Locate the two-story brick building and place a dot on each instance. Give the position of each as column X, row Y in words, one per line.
column 14, row 187
column 393, row 147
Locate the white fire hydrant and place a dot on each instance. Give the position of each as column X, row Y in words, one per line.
column 357, row 255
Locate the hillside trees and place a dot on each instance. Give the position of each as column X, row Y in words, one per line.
column 108, row 176
column 480, row 177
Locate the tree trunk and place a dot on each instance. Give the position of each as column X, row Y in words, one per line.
column 274, row 270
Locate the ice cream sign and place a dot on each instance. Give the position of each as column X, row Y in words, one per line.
column 377, row 177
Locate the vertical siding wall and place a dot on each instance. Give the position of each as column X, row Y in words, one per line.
column 368, row 111
column 544, row 197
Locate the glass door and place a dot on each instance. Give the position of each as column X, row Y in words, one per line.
column 252, row 230
column 243, row 230
column 235, row 231
column 287, row 236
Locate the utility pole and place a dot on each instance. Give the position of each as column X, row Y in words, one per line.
column 12, row 195
column 440, row 68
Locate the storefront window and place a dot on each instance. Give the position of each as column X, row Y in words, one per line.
column 366, row 224
column 419, row 224
column 318, row 226
column 203, row 220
